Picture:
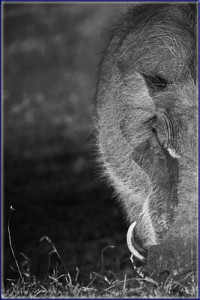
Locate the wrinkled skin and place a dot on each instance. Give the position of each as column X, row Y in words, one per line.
column 147, row 128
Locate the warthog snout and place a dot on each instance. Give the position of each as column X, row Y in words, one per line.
column 147, row 129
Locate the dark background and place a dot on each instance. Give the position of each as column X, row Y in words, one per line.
column 51, row 177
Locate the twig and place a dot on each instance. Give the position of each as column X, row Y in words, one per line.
column 124, row 286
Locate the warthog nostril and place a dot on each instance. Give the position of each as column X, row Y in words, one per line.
column 134, row 245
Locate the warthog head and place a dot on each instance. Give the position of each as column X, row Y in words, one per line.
column 147, row 128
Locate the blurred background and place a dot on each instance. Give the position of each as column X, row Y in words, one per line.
column 51, row 176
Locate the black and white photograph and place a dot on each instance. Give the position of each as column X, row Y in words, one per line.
column 99, row 149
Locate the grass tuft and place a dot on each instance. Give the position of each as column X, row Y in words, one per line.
column 105, row 283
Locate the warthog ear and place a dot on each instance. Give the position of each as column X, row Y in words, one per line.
column 136, row 101
column 136, row 91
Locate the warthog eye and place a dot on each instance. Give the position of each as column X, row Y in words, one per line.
column 156, row 83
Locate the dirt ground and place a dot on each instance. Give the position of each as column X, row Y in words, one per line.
column 51, row 177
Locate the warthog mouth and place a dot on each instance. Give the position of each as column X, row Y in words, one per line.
column 134, row 245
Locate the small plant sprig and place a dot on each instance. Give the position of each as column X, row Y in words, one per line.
column 54, row 250
column 10, row 244
column 102, row 256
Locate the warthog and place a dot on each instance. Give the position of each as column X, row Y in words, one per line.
column 147, row 130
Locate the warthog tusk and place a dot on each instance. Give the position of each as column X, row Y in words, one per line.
column 130, row 243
